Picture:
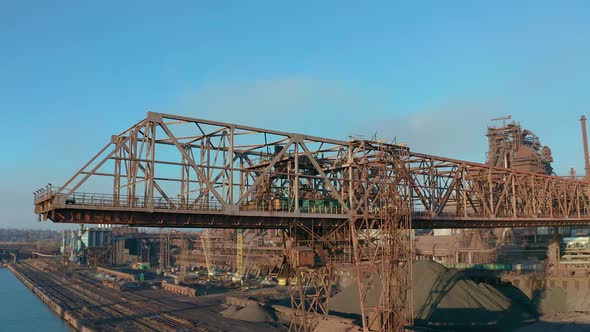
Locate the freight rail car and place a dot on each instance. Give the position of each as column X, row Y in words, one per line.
column 497, row 267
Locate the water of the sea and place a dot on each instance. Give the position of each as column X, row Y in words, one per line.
column 21, row 310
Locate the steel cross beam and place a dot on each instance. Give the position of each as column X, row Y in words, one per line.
column 175, row 171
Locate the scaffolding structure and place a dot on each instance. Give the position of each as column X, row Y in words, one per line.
column 184, row 255
column 206, row 242
column 97, row 256
column 382, row 238
column 240, row 253
column 164, row 255
column 310, row 291
column 510, row 146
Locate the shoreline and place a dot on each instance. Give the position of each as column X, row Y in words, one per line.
column 52, row 303
column 87, row 305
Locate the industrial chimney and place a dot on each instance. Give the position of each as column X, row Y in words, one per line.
column 585, row 141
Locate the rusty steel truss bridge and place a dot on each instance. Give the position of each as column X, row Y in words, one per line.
column 174, row 171
column 359, row 198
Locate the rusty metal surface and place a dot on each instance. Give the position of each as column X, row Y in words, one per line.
column 382, row 239
column 310, row 290
column 511, row 146
column 180, row 172
column 456, row 192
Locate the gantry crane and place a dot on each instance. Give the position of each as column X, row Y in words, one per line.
column 164, row 258
column 206, row 241
column 184, row 250
column 240, row 253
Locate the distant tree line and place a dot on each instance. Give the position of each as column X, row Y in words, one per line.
column 28, row 235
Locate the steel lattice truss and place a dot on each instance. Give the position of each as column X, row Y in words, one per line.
column 382, row 239
column 459, row 194
column 310, row 294
column 181, row 172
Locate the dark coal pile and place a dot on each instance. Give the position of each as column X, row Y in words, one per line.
column 252, row 312
column 559, row 300
column 446, row 299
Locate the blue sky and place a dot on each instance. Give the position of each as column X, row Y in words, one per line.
column 431, row 73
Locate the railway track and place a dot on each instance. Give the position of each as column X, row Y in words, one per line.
column 83, row 298
column 69, row 300
column 143, row 305
column 99, row 305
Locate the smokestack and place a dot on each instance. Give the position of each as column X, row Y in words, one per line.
column 585, row 141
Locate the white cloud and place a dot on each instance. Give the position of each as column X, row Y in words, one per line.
column 295, row 103
column 455, row 130
column 337, row 109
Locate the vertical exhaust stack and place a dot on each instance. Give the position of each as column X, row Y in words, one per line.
column 585, row 141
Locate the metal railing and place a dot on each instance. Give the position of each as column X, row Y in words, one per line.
column 142, row 202
column 204, row 204
column 44, row 194
column 270, row 206
column 323, row 207
column 500, row 214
